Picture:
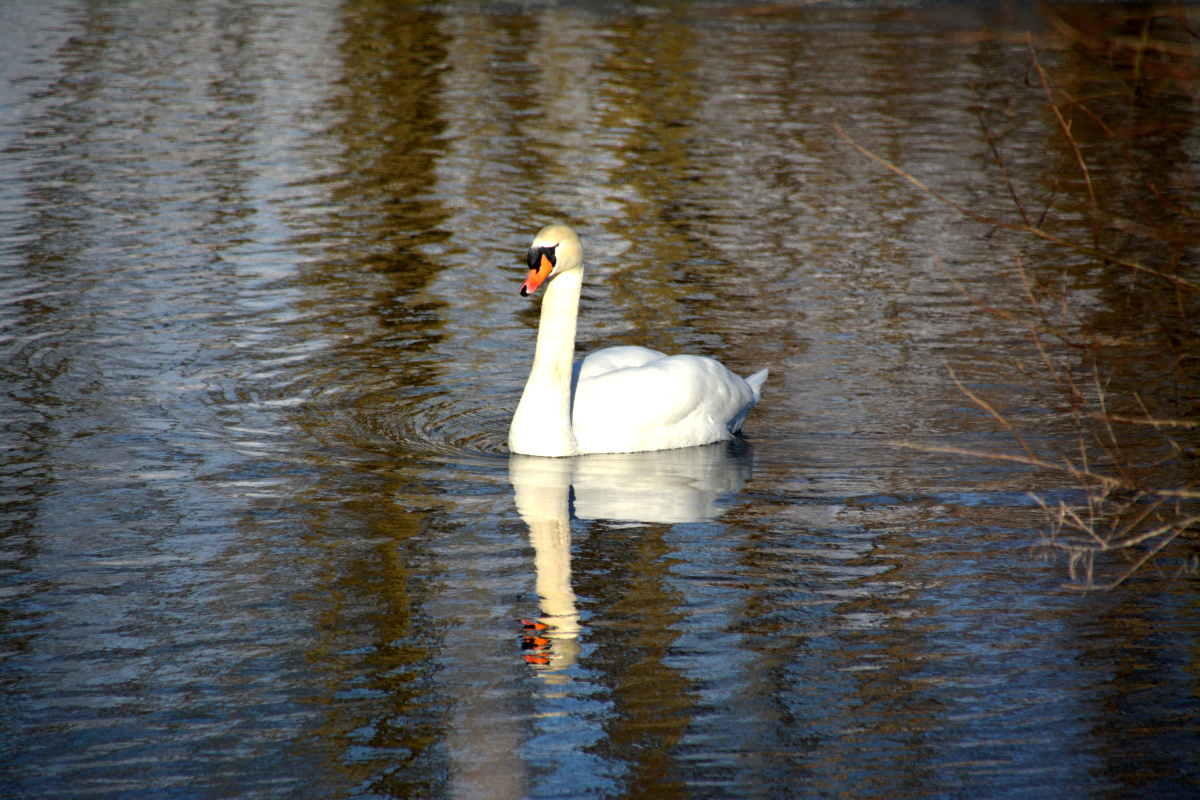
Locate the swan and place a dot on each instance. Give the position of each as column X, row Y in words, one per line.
column 619, row 400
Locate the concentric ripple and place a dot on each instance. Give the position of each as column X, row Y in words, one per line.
column 446, row 425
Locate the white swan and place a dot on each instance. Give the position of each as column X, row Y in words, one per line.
column 619, row 400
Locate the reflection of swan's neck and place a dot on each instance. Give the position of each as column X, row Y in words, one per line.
column 541, row 425
column 543, row 487
column 551, row 539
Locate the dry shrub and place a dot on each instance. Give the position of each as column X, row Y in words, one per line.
column 1128, row 379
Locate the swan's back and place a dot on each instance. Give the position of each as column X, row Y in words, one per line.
column 631, row 399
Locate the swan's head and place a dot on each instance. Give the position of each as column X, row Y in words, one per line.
column 555, row 250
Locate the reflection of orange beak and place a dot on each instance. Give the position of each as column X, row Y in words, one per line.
column 536, row 276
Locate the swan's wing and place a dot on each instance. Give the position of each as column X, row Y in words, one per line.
column 615, row 358
column 608, row 360
column 659, row 404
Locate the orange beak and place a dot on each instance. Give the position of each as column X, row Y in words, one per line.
column 536, row 276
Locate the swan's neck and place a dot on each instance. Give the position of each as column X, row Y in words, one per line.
column 542, row 424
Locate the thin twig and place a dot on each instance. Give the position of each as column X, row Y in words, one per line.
column 979, row 401
column 987, row 135
column 1066, row 128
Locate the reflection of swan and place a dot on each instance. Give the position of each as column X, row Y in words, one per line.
column 670, row 486
column 619, row 400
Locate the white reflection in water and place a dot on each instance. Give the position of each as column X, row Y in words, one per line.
column 668, row 487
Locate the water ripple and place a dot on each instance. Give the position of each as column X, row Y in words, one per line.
column 436, row 424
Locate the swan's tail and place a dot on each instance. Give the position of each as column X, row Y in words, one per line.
column 756, row 381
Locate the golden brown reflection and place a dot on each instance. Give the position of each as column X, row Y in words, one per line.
column 385, row 735
column 376, row 638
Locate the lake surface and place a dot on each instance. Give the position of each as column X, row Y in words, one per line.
column 260, row 339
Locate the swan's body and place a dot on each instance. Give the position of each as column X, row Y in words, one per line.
column 619, row 400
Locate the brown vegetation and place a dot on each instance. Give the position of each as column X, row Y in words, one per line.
column 1129, row 382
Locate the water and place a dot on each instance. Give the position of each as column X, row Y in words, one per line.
column 261, row 339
